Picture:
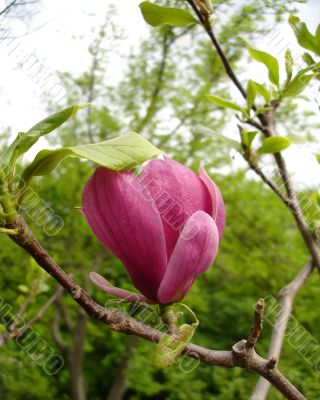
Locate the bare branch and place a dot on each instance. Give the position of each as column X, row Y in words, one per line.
column 14, row 331
column 227, row 66
column 287, row 296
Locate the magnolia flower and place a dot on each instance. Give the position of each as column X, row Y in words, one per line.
column 164, row 225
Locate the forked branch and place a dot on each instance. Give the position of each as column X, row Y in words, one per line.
column 242, row 355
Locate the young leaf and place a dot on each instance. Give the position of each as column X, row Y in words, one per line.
column 297, row 85
column 223, row 103
column 289, row 64
column 25, row 141
column 262, row 90
column 269, row 61
column 156, row 15
column 274, row 144
column 251, row 94
column 304, row 36
column 307, row 58
column 248, row 137
column 122, row 152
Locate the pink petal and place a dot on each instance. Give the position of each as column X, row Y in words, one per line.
column 218, row 208
column 103, row 284
column 177, row 192
column 129, row 225
column 195, row 251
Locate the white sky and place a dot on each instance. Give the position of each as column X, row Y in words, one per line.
column 53, row 44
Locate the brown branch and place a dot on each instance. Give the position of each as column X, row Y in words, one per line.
column 255, row 168
column 240, row 356
column 227, row 66
column 287, row 296
column 257, row 325
column 293, row 204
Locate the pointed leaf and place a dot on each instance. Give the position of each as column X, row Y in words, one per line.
column 269, row 61
column 307, row 58
column 223, row 103
column 248, row 137
column 25, row 141
column 156, row 15
column 123, row 152
column 297, row 85
column 289, row 64
column 274, row 144
column 251, row 94
column 304, row 36
column 262, row 90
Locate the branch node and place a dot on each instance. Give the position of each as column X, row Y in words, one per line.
column 76, row 292
column 272, row 363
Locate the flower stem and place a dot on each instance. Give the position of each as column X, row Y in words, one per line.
column 169, row 317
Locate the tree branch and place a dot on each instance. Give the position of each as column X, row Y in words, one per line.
column 266, row 127
column 14, row 331
column 287, row 296
column 240, row 356
column 227, row 66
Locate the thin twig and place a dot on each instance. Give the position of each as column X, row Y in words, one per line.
column 14, row 331
column 287, row 296
column 257, row 325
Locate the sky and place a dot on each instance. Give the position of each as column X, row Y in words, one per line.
column 29, row 61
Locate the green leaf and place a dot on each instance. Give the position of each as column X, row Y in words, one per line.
column 297, row 85
column 219, row 137
column 25, row 141
column 251, row 94
column 304, row 36
column 289, row 64
column 223, row 103
column 248, row 137
column 262, row 110
column 274, row 144
column 269, row 61
column 307, row 58
column 122, row 152
column 262, row 90
column 23, row 288
column 156, row 15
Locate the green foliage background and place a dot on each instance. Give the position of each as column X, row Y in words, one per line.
column 162, row 96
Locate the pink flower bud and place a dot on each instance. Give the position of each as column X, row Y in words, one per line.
column 164, row 225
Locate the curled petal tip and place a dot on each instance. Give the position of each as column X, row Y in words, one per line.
column 103, row 284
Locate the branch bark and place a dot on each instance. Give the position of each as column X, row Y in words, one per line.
column 240, row 356
column 287, row 296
